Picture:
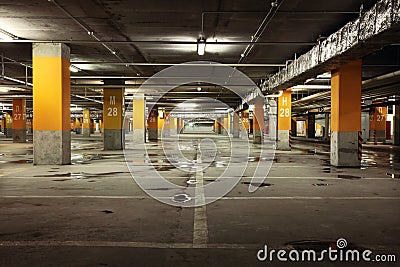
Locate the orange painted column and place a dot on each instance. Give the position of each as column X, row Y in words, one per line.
column 51, row 104
column 19, row 121
column 284, row 120
column 86, row 123
column 377, row 124
column 113, row 116
column 258, row 122
column 346, row 114
column 165, row 130
column 152, row 123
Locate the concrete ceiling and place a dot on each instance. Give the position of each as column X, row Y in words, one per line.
column 157, row 31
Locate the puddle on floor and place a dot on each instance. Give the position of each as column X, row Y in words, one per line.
column 78, row 175
column 349, row 177
column 321, row 184
column 258, row 184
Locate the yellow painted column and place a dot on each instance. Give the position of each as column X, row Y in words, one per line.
column 258, row 121
column 113, row 115
column 377, row 124
column 225, row 126
column 51, row 104
column 139, row 124
column 19, row 121
column 152, row 122
column 78, row 126
column 246, row 120
column 284, row 120
column 346, row 114
column 86, row 123
column 9, row 126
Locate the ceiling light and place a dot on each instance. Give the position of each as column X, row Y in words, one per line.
column 201, row 46
column 4, row 35
column 73, row 68
column 198, row 89
column 187, row 105
column 4, row 90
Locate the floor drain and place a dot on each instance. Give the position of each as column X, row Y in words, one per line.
column 191, row 182
column 181, row 198
column 257, row 184
column 320, row 184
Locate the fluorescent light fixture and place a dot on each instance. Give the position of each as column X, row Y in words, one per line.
column 198, row 89
column 188, row 105
column 73, row 68
column 201, row 46
column 4, row 89
column 4, row 35
column 310, row 87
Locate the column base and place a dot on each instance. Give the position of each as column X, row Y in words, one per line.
column 51, row 147
column 236, row 133
column 139, row 136
column 9, row 132
column 86, row 132
column 19, row 135
column 113, row 139
column 283, row 140
column 257, row 137
column 153, row 134
column 344, row 149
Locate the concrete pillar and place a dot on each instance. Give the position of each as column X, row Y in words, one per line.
column 51, row 104
column 327, row 126
column 9, row 125
column 138, row 123
column 19, row 121
column 377, row 124
column 86, row 123
column 246, row 122
column 113, row 103
column 346, row 114
column 225, row 125
column 294, row 126
column 396, row 136
column 311, row 125
column 284, row 120
column 219, row 125
column 258, row 122
column 236, row 126
column 160, row 121
column 152, row 123
column 168, row 122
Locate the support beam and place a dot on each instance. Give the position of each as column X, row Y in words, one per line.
column 86, row 123
column 346, row 115
column 51, row 104
column 113, row 116
column 258, row 122
column 284, row 120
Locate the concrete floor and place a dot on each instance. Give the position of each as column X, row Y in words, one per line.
column 92, row 213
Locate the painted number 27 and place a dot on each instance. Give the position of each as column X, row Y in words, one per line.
column 112, row 112
column 284, row 112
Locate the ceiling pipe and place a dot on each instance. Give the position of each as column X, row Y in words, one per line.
column 288, row 43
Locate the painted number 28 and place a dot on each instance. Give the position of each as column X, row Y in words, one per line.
column 112, row 112
column 284, row 112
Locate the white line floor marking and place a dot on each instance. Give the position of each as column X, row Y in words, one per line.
column 200, row 227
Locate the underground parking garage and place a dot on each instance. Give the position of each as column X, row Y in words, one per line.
column 193, row 133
